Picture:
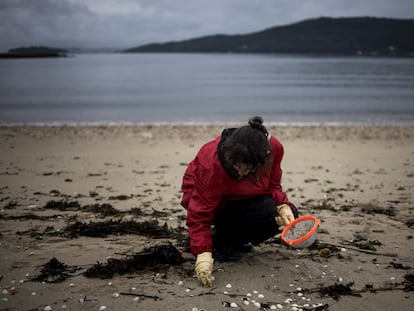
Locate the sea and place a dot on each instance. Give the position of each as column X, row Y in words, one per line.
column 157, row 88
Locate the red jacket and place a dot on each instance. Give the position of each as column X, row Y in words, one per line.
column 206, row 186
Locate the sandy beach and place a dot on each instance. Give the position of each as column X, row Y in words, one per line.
column 90, row 220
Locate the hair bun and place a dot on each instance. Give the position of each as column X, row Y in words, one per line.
column 257, row 123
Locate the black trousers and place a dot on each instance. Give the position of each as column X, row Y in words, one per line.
column 244, row 221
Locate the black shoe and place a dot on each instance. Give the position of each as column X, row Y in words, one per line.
column 244, row 248
column 226, row 253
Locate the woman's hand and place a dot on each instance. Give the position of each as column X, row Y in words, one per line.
column 204, row 268
column 284, row 216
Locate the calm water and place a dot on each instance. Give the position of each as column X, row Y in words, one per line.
column 182, row 88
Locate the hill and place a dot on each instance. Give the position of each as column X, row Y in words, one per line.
column 34, row 51
column 335, row 36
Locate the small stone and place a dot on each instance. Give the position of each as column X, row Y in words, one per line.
column 33, row 293
column 21, row 281
column 340, row 279
column 64, row 306
column 246, row 302
column 299, row 289
column 249, row 295
column 300, row 294
column 71, row 284
column 13, row 290
column 229, row 285
column 225, row 292
column 187, row 290
column 260, row 296
column 181, row 283
column 5, row 292
column 102, row 308
column 233, row 305
column 48, row 308
column 255, row 292
column 5, row 299
column 109, row 283
column 115, row 295
column 279, row 306
column 194, row 309
column 257, row 304
column 137, row 299
column 288, row 300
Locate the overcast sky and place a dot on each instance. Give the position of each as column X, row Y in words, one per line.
column 128, row 23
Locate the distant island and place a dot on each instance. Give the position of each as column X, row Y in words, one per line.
column 321, row 36
column 34, row 51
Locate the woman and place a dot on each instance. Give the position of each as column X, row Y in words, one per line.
column 234, row 184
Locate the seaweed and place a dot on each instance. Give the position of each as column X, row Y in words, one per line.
column 105, row 228
column 152, row 258
column 54, row 271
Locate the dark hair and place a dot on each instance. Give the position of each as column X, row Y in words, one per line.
column 249, row 144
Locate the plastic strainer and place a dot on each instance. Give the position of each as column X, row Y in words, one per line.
column 301, row 232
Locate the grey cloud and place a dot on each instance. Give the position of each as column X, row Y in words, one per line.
column 93, row 23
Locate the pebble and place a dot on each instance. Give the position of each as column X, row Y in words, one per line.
column 4, row 291
column 257, row 304
column 246, row 302
column 234, row 305
column 273, row 307
column 115, row 295
column 194, row 309
column 137, row 299
column 101, row 308
column 181, row 283
column 109, row 283
column 288, row 300
column 48, row 308
column 229, row 285
column 260, row 296
column 64, row 306
column 71, row 284
column 279, row 306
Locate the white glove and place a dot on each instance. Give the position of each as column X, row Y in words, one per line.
column 204, row 268
column 284, row 216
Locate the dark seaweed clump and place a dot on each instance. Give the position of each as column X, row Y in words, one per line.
column 337, row 290
column 54, row 271
column 152, row 258
column 105, row 228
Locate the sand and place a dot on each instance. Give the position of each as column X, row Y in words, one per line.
column 358, row 180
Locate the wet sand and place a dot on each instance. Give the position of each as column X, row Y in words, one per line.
column 106, row 199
